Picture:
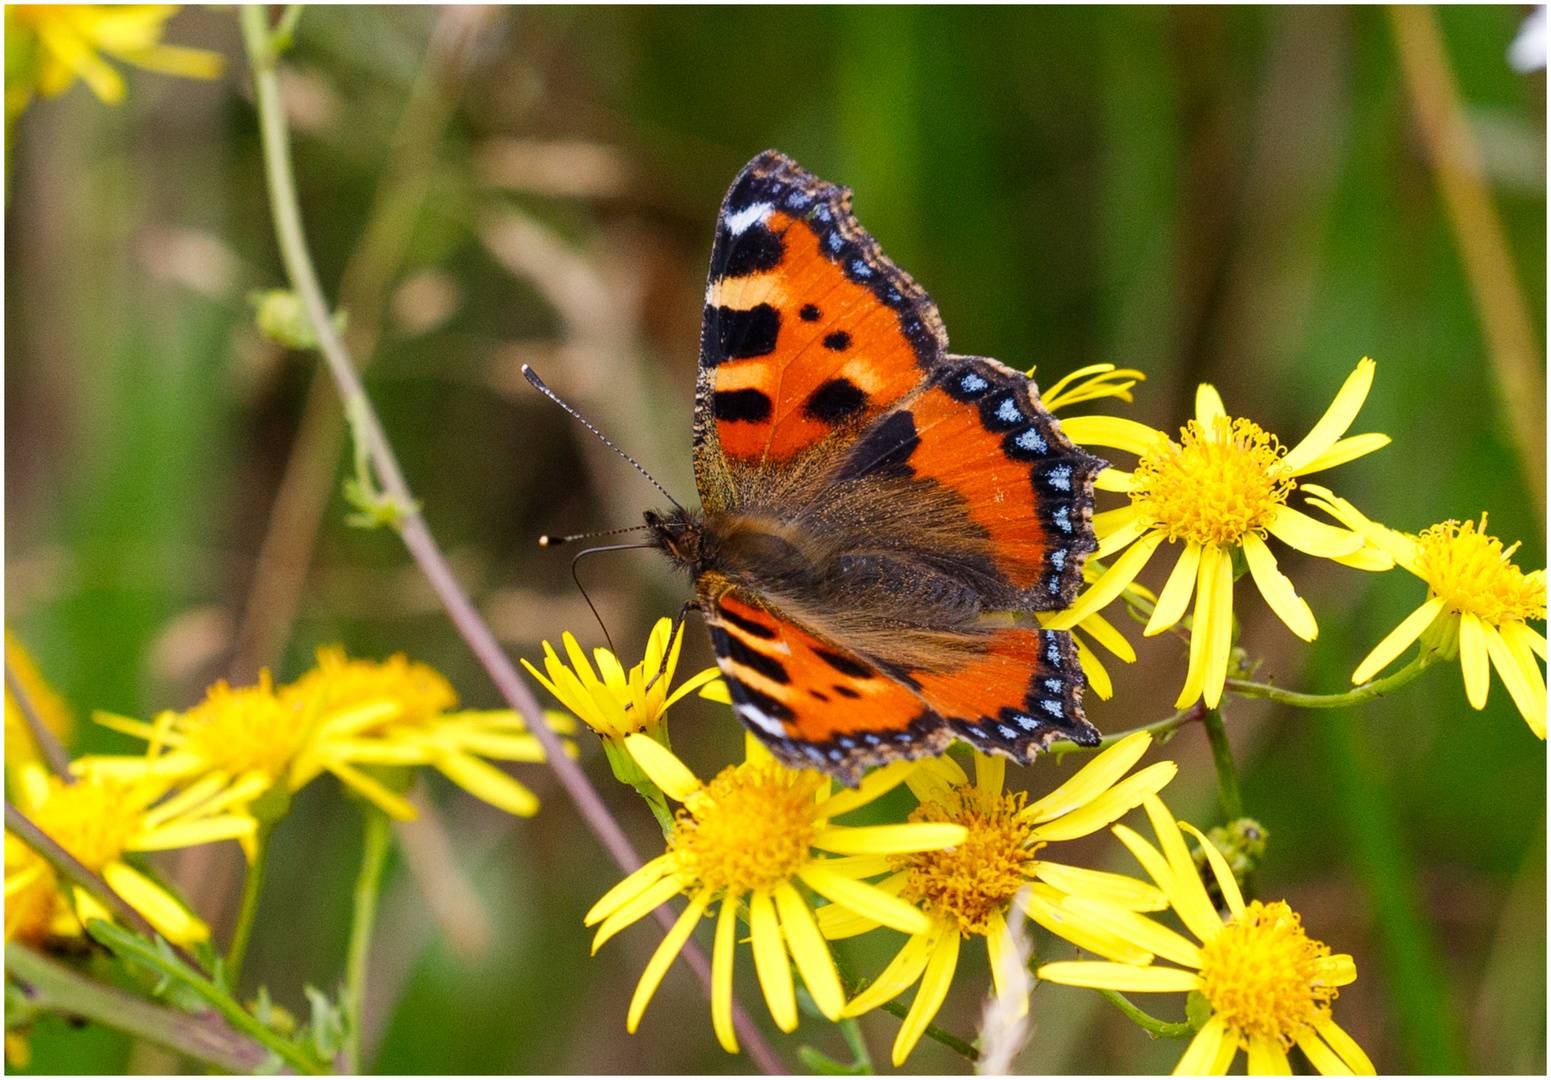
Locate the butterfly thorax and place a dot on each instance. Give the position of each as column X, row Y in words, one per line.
column 747, row 549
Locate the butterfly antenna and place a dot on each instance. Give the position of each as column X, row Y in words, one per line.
column 538, row 384
column 555, row 541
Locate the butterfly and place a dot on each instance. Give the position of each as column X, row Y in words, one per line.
column 878, row 515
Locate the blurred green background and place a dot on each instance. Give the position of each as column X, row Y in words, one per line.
column 1233, row 195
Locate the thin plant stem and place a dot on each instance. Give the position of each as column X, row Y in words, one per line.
column 1377, row 688
column 899, row 1010
column 851, row 1032
column 51, row 987
column 411, row 526
column 1515, row 355
column 368, row 888
column 1228, row 798
column 48, row 745
column 1157, row 1028
column 252, row 888
column 1167, row 726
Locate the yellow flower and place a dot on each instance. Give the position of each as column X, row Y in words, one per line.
column 35, row 911
column 1089, row 384
column 1267, row 983
column 968, row 889
column 99, row 820
column 341, row 715
column 618, row 704
column 748, row 836
column 51, row 708
column 1478, row 607
column 49, row 46
column 1220, row 489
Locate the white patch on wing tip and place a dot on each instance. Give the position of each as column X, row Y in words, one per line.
column 755, row 212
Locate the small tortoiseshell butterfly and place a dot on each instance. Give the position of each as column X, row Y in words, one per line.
column 874, row 507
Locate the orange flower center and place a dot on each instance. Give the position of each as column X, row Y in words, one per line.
column 1214, row 485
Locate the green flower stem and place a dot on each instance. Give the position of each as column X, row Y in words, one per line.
column 1159, row 1029
column 1228, row 798
column 259, row 43
column 48, row 745
column 252, row 887
column 899, row 1010
column 52, row 987
column 130, row 946
column 368, row 887
column 1165, row 727
column 851, row 1031
column 1377, row 688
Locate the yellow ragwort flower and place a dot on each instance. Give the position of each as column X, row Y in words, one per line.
column 748, row 836
column 51, row 708
column 968, row 889
column 99, row 820
column 1478, row 607
column 1222, row 488
column 49, row 46
column 1267, row 983
column 611, row 701
column 338, row 717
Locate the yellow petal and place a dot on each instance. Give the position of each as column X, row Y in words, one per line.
column 1398, row 640
column 873, row 785
column 1124, row 977
column 1220, row 871
column 695, row 682
column 1111, row 583
column 1343, row 410
column 1343, row 450
column 626, row 914
column 1139, row 930
column 1008, row 975
column 632, row 885
column 990, row 772
column 657, row 967
column 1326, row 1061
column 1267, row 1058
column 1126, row 892
column 716, row 690
column 838, row 921
column 1098, row 678
column 1297, row 530
column 775, row 977
column 1201, row 1055
column 1278, row 591
column 809, row 950
column 484, row 781
column 390, row 803
column 1116, row 480
column 1043, row 905
column 1111, row 522
column 171, row 919
column 1214, row 618
column 1402, row 548
column 1109, row 805
column 1096, row 776
column 864, row 899
column 1473, row 660
column 1188, row 895
column 1511, row 670
column 1177, row 591
column 936, row 778
column 935, row 980
column 1099, row 628
column 1346, row 1046
column 897, row 977
column 665, row 770
column 889, row 839
column 1209, row 405
column 192, row 833
column 721, row 974
column 1115, row 431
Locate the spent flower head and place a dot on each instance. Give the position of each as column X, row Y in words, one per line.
column 968, row 889
column 1266, row 984
column 746, row 839
column 1222, row 488
column 1479, row 605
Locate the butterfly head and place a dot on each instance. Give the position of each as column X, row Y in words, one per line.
column 681, row 535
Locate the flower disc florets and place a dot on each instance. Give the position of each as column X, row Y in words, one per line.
column 92, row 820
column 1474, row 574
column 1264, row 976
column 1214, row 485
column 247, row 728
column 750, row 828
column 968, row 883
